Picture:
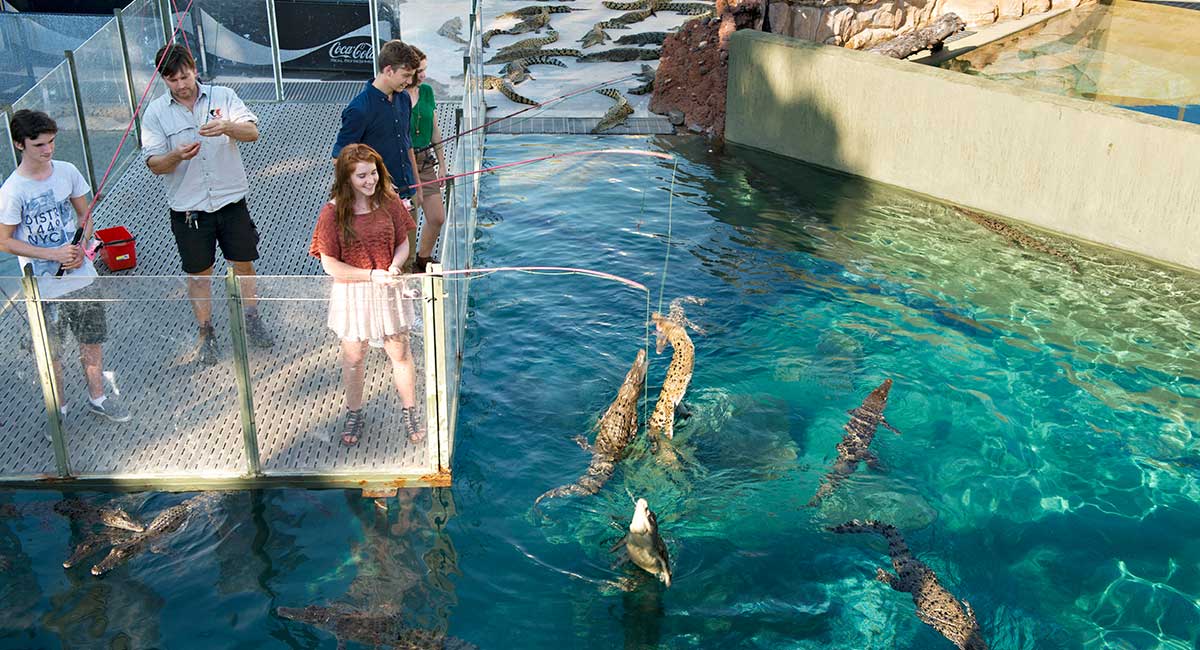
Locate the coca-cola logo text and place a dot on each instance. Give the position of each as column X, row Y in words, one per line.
column 338, row 51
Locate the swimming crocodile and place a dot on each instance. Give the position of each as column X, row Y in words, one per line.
column 1017, row 236
column 168, row 521
column 498, row 83
column 615, row 115
column 530, row 43
column 626, row 19
column 452, row 29
column 936, row 606
column 93, row 542
column 595, row 36
column 533, row 10
column 622, row 54
column 646, row 76
column 860, row 431
column 643, row 38
column 618, row 427
column 523, row 64
column 644, row 545
column 522, row 54
column 375, row 630
column 534, row 23
column 679, row 375
column 85, row 513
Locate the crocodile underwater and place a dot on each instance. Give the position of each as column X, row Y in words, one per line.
column 854, row 447
column 85, row 513
column 618, row 427
column 1018, row 237
column 93, row 542
column 644, row 545
column 168, row 521
column 936, row 606
column 371, row 629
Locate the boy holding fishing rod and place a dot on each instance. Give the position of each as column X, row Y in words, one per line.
column 41, row 206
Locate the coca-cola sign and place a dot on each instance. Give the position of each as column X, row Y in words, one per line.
column 339, row 51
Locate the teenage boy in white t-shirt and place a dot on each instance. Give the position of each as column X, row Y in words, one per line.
column 41, row 204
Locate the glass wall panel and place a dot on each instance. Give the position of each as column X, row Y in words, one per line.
column 299, row 387
column 54, row 96
column 183, row 416
column 26, row 450
column 8, row 160
column 440, row 28
column 105, row 97
column 232, row 45
column 143, row 37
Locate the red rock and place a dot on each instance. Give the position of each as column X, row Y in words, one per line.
column 692, row 75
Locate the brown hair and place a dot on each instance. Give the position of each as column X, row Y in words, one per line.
column 398, row 54
column 420, row 57
column 342, row 191
column 173, row 58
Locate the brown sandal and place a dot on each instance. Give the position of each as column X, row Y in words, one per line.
column 415, row 433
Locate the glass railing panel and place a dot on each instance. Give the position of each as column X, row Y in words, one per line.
column 31, row 44
column 8, row 160
column 27, row 450
column 440, row 29
column 143, row 37
column 300, row 380
column 104, row 92
column 231, row 40
column 327, row 40
column 54, row 96
column 139, row 335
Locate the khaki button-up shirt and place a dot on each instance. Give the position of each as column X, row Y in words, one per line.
column 216, row 177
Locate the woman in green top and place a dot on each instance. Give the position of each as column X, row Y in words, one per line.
column 431, row 165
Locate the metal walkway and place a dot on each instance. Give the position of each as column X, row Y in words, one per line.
column 186, row 425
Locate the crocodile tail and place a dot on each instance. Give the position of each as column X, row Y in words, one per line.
column 597, row 475
column 869, row 526
column 508, row 92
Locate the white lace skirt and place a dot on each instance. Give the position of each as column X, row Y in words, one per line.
column 361, row 311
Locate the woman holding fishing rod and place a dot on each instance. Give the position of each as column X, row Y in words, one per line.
column 361, row 239
column 431, row 161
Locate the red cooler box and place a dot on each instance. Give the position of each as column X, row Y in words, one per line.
column 117, row 248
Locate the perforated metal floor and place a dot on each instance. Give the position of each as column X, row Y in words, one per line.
column 186, row 418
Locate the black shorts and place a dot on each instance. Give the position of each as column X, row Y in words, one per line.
column 230, row 226
column 86, row 320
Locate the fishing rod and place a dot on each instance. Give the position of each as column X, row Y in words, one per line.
column 586, row 152
column 87, row 218
column 523, row 110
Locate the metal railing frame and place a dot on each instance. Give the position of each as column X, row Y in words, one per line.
column 44, row 356
column 73, row 75
column 241, row 370
column 7, row 109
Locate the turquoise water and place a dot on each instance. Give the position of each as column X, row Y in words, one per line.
column 1048, row 470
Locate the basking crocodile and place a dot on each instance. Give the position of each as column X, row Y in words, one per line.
column 534, row 10
column 85, row 513
column 618, row 427
column 646, row 76
column 595, row 36
column 522, row 54
column 622, row 54
column 936, row 607
column 498, row 83
column 685, row 8
column 375, row 630
column 530, row 43
column 644, row 545
column 168, row 521
column 452, row 29
column 626, row 6
column 523, row 64
column 615, row 115
column 626, row 19
column 860, row 431
column 533, row 23
column 1018, row 237
column 643, row 38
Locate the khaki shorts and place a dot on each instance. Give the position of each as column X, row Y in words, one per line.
column 427, row 170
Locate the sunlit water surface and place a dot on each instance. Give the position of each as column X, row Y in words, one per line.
column 1048, row 470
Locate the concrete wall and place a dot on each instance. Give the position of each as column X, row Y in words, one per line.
column 1084, row 169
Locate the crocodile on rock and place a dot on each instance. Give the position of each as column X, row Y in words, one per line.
column 936, row 606
column 530, row 43
column 618, row 427
column 646, row 76
column 616, row 115
column 534, row 10
column 621, row 55
column 502, row 85
column 595, row 36
column 642, row 38
column 522, row 54
column 854, row 447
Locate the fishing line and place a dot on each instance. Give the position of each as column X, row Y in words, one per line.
column 670, row 213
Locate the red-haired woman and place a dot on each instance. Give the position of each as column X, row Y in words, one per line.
column 362, row 240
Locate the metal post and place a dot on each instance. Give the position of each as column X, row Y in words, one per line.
column 133, row 98
column 45, row 364
column 241, row 369
column 83, row 130
column 7, row 109
column 373, row 16
column 434, row 393
column 164, row 12
column 435, row 356
column 276, row 65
